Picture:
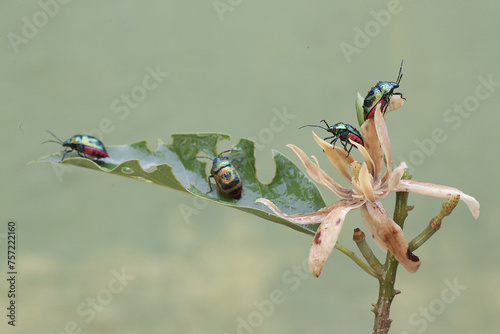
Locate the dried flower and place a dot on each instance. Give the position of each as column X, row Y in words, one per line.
column 369, row 183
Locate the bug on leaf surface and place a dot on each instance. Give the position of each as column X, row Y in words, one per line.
column 86, row 146
column 342, row 131
column 226, row 177
column 381, row 94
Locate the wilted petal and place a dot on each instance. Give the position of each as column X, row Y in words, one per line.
column 318, row 175
column 366, row 155
column 396, row 102
column 435, row 190
column 337, row 156
column 383, row 136
column 366, row 183
column 308, row 164
column 394, row 179
column 328, row 233
column 373, row 146
column 327, row 181
column 388, row 235
column 305, row 218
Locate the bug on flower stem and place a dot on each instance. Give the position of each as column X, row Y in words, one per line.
column 342, row 131
column 226, row 177
column 381, row 93
column 84, row 145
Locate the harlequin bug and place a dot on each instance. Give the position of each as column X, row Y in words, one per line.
column 381, row 93
column 226, row 177
column 84, row 145
column 343, row 132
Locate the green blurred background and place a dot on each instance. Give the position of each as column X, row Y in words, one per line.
column 232, row 67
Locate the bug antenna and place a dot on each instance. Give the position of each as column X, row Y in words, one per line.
column 51, row 141
column 221, row 153
column 53, row 135
column 59, row 141
column 314, row 126
column 400, row 75
column 201, row 156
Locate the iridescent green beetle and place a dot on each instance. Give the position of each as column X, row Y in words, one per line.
column 84, row 145
column 226, row 177
column 342, row 131
column 381, row 94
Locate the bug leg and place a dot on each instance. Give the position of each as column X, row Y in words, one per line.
column 210, row 185
column 81, row 150
column 386, row 105
column 344, row 144
column 349, row 151
column 334, row 141
column 64, row 154
column 325, row 139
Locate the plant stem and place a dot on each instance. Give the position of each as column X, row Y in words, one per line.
column 435, row 223
column 366, row 251
column 386, row 281
column 356, row 259
column 425, row 235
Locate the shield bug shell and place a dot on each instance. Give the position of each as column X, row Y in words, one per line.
column 381, row 94
column 342, row 131
column 226, row 177
column 86, row 146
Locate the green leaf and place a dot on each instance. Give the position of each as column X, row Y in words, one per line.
column 172, row 166
column 358, row 104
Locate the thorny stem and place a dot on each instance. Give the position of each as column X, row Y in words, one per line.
column 386, row 281
column 388, row 278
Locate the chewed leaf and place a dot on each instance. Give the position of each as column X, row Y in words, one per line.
column 172, row 166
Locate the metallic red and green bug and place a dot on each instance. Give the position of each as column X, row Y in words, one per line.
column 86, row 146
column 381, row 94
column 342, row 131
column 226, row 177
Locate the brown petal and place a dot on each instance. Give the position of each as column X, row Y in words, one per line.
column 308, row 164
column 328, row 233
column 373, row 146
column 394, row 179
column 337, row 156
column 436, row 190
column 327, row 181
column 396, row 102
column 318, row 175
column 305, row 218
column 388, row 235
column 383, row 136
column 366, row 183
column 366, row 155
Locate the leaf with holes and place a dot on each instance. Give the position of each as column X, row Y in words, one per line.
column 172, row 166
